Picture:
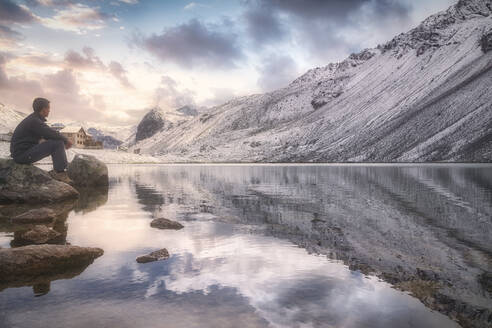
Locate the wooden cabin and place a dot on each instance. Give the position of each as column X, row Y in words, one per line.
column 76, row 135
column 79, row 138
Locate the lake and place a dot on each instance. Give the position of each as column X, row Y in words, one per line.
column 274, row 246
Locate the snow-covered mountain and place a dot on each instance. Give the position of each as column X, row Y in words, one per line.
column 10, row 119
column 423, row 96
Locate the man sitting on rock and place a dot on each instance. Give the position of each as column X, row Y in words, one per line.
column 27, row 147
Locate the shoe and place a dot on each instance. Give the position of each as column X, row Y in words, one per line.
column 61, row 176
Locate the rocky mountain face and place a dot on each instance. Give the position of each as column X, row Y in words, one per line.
column 156, row 120
column 423, row 96
column 149, row 125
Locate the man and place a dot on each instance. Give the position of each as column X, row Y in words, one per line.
column 26, row 146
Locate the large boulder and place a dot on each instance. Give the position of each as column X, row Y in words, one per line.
column 88, row 171
column 21, row 183
column 37, row 260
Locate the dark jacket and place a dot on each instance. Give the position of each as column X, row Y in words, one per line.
column 29, row 132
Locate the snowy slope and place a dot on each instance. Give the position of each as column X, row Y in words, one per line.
column 10, row 118
column 108, row 156
column 423, row 96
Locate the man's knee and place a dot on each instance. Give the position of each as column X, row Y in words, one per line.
column 56, row 144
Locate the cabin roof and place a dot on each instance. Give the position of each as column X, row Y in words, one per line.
column 72, row 129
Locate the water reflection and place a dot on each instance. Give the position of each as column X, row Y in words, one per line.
column 238, row 258
column 91, row 198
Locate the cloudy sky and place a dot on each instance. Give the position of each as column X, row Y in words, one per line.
column 110, row 61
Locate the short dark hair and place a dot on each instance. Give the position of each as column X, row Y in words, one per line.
column 39, row 103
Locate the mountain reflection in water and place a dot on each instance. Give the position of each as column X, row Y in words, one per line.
column 425, row 229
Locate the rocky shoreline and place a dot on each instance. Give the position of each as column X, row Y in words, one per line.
column 34, row 207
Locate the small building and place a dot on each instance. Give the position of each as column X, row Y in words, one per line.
column 75, row 134
column 79, row 138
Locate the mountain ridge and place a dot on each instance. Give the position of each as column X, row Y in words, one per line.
column 363, row 108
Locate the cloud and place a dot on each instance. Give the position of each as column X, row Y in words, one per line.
column 87, row 60
column 130, row 2
column 194, row 5
column 325, row 28
column 9, row 37
column 50, row 3
column 61, row 88
column 14, row 13
column 67, row 100
column 119, row 72
column 13, row 90
column 194, row 44
column 276, row 71
column 77, row 18
column 263, row 25
column 169, row 97
column 333, row 10
column 220, row 96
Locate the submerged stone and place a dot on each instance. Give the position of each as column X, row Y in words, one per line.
column 159, row 255
column 163, row 223
column 21, row 183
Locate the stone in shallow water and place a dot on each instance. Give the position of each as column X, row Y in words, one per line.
column 163, row 223
column 35, row 216
column 29, row 184
column 24, row 263
column 40, row 234
column 161, row 254
column 88, row 171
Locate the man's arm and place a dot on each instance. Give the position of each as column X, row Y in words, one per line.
column 43, row 130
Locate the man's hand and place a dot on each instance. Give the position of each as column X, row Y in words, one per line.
column 68, row 144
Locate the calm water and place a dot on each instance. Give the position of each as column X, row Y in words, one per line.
column 273, row 246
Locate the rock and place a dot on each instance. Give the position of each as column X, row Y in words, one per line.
column 38, row 265
column 21, row 183
column 35, row 216
column 163, row 223
column 150, row 124
column 24, row 263
column 161, row 254
column 486, row 42
column 485, row 279
column 188, row 110
column 88, row 171
column 40, row 234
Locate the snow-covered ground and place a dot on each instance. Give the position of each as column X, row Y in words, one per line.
column 108, row 156
column 9, row 118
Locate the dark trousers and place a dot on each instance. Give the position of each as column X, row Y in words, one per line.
column 55, row 148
